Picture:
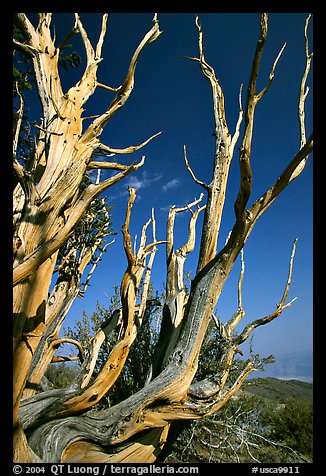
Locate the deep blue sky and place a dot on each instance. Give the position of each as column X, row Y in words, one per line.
column 172, row 96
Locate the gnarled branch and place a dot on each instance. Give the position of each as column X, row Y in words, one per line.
column 279, row 308
column 126, row 88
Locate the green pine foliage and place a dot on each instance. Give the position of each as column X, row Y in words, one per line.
column 61, row 375
column 292, row 425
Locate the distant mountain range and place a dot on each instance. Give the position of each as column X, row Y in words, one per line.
column 278, row 390
column 292, row 366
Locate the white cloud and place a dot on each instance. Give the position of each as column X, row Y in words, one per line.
column 136, row 183
column 145, row 181
column 174, row 183
column 166, row 209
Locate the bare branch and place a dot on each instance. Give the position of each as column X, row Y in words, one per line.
column 99, row 45
column 73, row 32
column 188, row 206
column 271, row 75
column 170, row 224
column 23, row 176
column 44, row 18
column 199, row 182
column 108, row 88
column 303, row 90
column 288, row 283
column 240, row 306
column 25, row 48
column 90, row 54
column 142, row 243
column 239, row 314
column 189, row 246
column 279, row 308
column 147, row 276
column 128, row 150
column 222, row 158
column 125, row 227
column 47, row 131
column 18, row 121
column 245, row 148
column 237, row 128
column 176, row 296
column 221, row 129
column 106, row 165
column 87, row 84
column 64, row 358
column 292, row 171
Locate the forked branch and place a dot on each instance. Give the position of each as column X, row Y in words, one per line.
column 279, row 308
column 252, row 99
column 126, row 88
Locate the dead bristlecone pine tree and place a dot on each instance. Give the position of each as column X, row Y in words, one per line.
column 52, row 198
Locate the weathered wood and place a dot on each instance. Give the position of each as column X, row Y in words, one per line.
column 48, row 205
column 45, row 219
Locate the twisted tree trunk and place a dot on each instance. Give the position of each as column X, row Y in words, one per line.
column 48, row 206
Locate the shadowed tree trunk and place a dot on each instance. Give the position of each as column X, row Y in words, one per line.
column 51, row 200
